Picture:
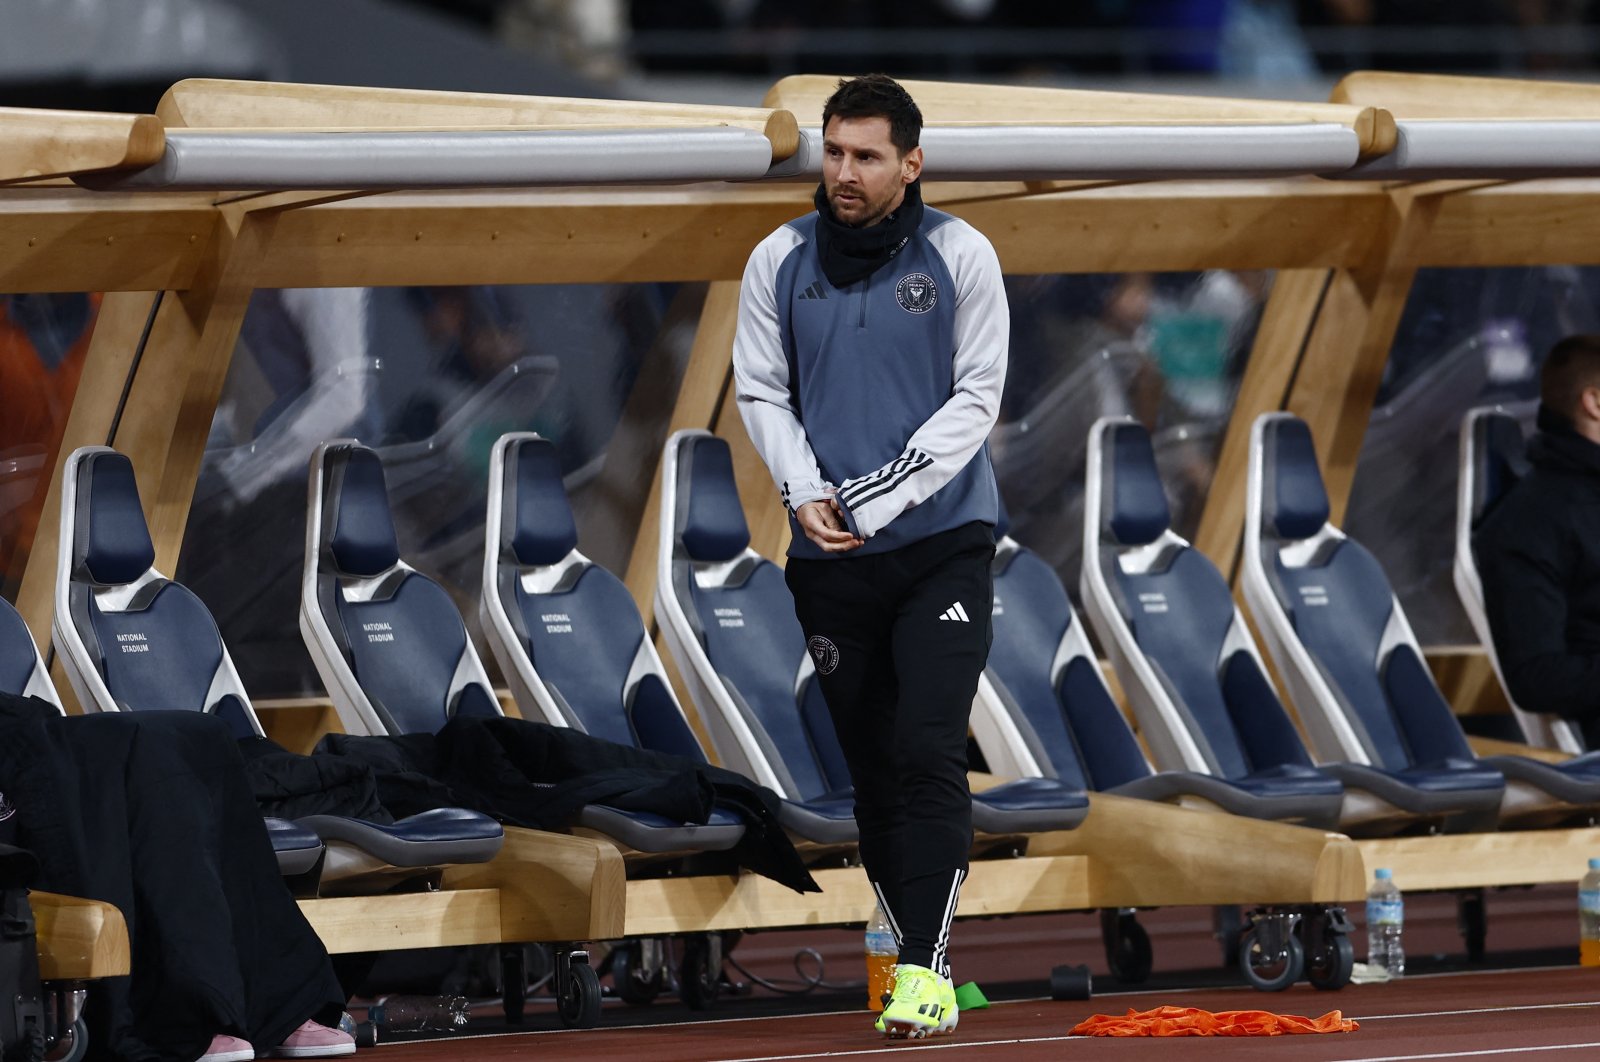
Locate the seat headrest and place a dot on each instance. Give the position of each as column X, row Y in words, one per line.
column 362, row 542
column 542, row 530
column 111, row 531
column 1502, row 458
column 1136, row 511
column 1296, row 504
column 710, row 518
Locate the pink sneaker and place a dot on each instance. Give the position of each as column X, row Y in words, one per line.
column 314, row 1041
column 228, row 1049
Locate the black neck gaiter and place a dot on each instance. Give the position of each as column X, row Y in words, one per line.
column 850, row 254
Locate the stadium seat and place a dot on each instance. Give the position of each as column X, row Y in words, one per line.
column 130, row 639
column 1354, row 668
column 570, row 635
column 391, row 646
column 1043, row 709
column 729, row 621
column 22, row 669
column 23, row 673
column 1492, row 461
column 1181, row 649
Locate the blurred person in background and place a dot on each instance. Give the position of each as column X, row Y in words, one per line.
column 44, row 340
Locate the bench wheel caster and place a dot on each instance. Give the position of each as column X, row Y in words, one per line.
column 700, row 975
column 1128, row 950
column 577, row 991
column 71, row 1046
column 1271, row 956
column 513, row 982
column 636, row 972
column 1330, row 957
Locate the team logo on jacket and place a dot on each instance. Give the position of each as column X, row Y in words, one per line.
column 915, row 293
column 824, row 654
column 7, row 808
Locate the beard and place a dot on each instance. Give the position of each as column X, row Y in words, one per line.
column 860, row 212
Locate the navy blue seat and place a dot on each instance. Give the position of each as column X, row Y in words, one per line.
column 1351, row 661
column 391, row 646
column 1045, row 710
column 1182, row 651
column 566, row 632
column 131, row 640
column 22, row 672
column 1492, row 461
column 729, row 620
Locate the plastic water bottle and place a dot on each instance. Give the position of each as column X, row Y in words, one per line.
column 1589, row 916
column 420, row 1013
column 1386, row 917
column 882, row 954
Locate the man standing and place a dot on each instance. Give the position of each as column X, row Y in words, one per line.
column 869, row 361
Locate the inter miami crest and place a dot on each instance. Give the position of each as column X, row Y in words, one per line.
column 824, row 654
column 915, row 293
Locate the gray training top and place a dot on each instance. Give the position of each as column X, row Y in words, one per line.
column 883, row 391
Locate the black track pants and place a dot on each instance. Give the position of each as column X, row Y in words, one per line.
column 899, row 640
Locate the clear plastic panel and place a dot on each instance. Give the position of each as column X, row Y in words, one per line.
column 1468, row 337
column 429, row 377
column 1167, row 349
column 44, row 340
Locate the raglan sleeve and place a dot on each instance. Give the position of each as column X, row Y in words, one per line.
column 947, row 440
column 762, row 384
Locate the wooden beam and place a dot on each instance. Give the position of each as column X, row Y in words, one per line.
column 40, row 143
column 948, row 102
column 1339, row 372
column 1479, row 860
column 1520, row 223
column 748, row 901
column 450, row 918
column 112, row 352
column 704, row 379
column 1144, row 853
column 552, row 887
column 176, row 384
column 67, row 239
column 1280, row 340
column 79, row 940
column 206, row 102
column 704, row 233
column 1452, row 96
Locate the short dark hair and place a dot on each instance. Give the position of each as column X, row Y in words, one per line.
column 1572, row 365
column 877, row 96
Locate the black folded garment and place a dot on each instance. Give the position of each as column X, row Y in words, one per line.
column 532, row 774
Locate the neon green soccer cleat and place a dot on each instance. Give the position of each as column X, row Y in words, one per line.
column 923, row 1003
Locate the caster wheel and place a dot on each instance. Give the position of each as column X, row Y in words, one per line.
column 1071, row 982
column 1128, row 950
column 513, row 983
column 700, row 975
column 1329, row 962
column 636, row 974
column 578, row 994
column 72, row 1046
column 1270, row 966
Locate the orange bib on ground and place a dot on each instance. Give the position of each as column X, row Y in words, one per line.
column 1188, row 1021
